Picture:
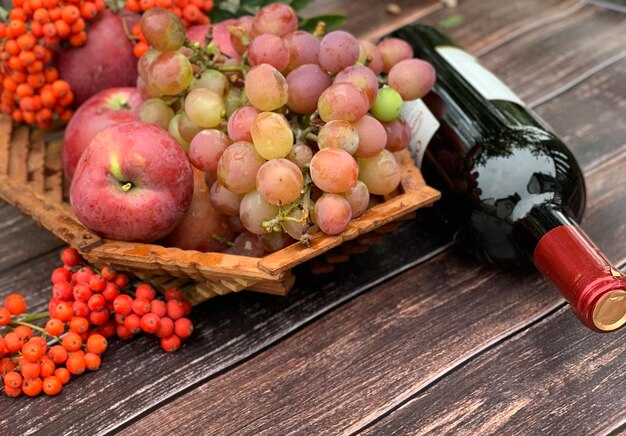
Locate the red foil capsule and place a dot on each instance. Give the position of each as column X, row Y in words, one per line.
column 594, row 288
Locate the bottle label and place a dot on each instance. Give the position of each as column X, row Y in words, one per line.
column 482, row 80
column 423, row 125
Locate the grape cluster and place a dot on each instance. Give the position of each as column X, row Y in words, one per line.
column 294, row 131
column 86, row 309
column 32, row 91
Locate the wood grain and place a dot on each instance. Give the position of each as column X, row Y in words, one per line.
column 554, row 378
column 233, row 328
column 317, row 377
column 377, row 351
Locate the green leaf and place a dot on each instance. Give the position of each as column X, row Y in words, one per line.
column 332, row 21
column 298, row 5
column 231, row 6
column 4, row 14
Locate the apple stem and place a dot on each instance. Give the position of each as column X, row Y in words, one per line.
column 126, row 186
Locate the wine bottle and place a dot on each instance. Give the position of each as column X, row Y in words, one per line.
column 512, row 190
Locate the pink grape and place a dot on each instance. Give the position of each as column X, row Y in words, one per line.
column 398, row 134
column 372, row 136
column 248, row 244
column 144, row 62
column 187, row 128
column 271, row 135
column 225, row 201
column 238, row 167
column 332, row 213
column 170, row 73
column 412, row 78
column 339, row 134
column 338, row 50
column 303, row 48
column 242, row 26
column 279, row 181
column 333, row 170
column 266, row 88
column 394, row 50
column 361, row 77
column 300, row 154
column 359, row 198
column 277, row 18
column 343, row 101
column 269, row 49
column 305, row 84
column 206, row 149
column 380, row 173
column 370, row 56
column 254, row 211
column 163, row 30
column 240, row 123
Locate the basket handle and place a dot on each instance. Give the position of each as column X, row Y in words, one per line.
column 49, row 213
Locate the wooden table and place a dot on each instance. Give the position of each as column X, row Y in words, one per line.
column 410, row 337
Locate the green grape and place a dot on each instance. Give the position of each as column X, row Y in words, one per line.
column 271, row 135
column 211, row 79
column 387, row 106
column 204, row 107
column 156, row 111
column 173, row 129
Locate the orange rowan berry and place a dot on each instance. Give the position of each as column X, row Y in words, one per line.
column 72, row 342
column 36, row 4
column 32, row 351
column 92, row 361
column 63, row 311
column 3, row 30
column 13, row 379
column 32, row 386
column 11, row 47
column 54, row 14
column 16, row 28
column 36, row 80
column 97, row 344
column 58, row 354
column 49, row 4
column 36, row 29
column 49, row 30
column 51, row 74
column 24, row 90
column 165, row 4
column 13, row 342
column 78, row 25
column 30, row 369
column 15, row 63
column 60, row 88
column 78, row 39
column 100, row 4
column 6, row 365
column 41, row 16
column 52, row 385
column 140, row 49
column 191, row 13
column 66, row 115
column 63, row 28
column 17, row 115
column 88, row 10
column 5, row 316
column 79, row 325
column 47, row 367
column 63, row 374
column 76, row 364
column 18, row 14
column 70, row 13
column 35, row 67
column 23, row 332
column 15, row 303
column 29, row 117
column 12, row 392
column 146, row 4
column 26, row 41
column 170, row 344
column 48, row 99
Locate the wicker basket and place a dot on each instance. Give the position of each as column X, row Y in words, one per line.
column 31, row 178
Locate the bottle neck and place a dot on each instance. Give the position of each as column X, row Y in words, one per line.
column 566, row 256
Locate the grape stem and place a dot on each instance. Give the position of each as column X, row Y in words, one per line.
column 311, row 136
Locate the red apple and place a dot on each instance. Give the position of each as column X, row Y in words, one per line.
column 105, row 61
column 203, row 226
column 108, row 107
column 133, row 183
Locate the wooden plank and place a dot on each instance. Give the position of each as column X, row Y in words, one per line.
column 36, row 167
column 568, row 48
column 229, row 329
column 554, row 378
column 370, row 19
column 18, row 155
column 137, row 375
column 599, row 92
column 5, row 141
column 367, row 357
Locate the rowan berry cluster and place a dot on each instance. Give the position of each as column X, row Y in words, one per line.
column 32, row 91
column 191, row 12
column 87, row 308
